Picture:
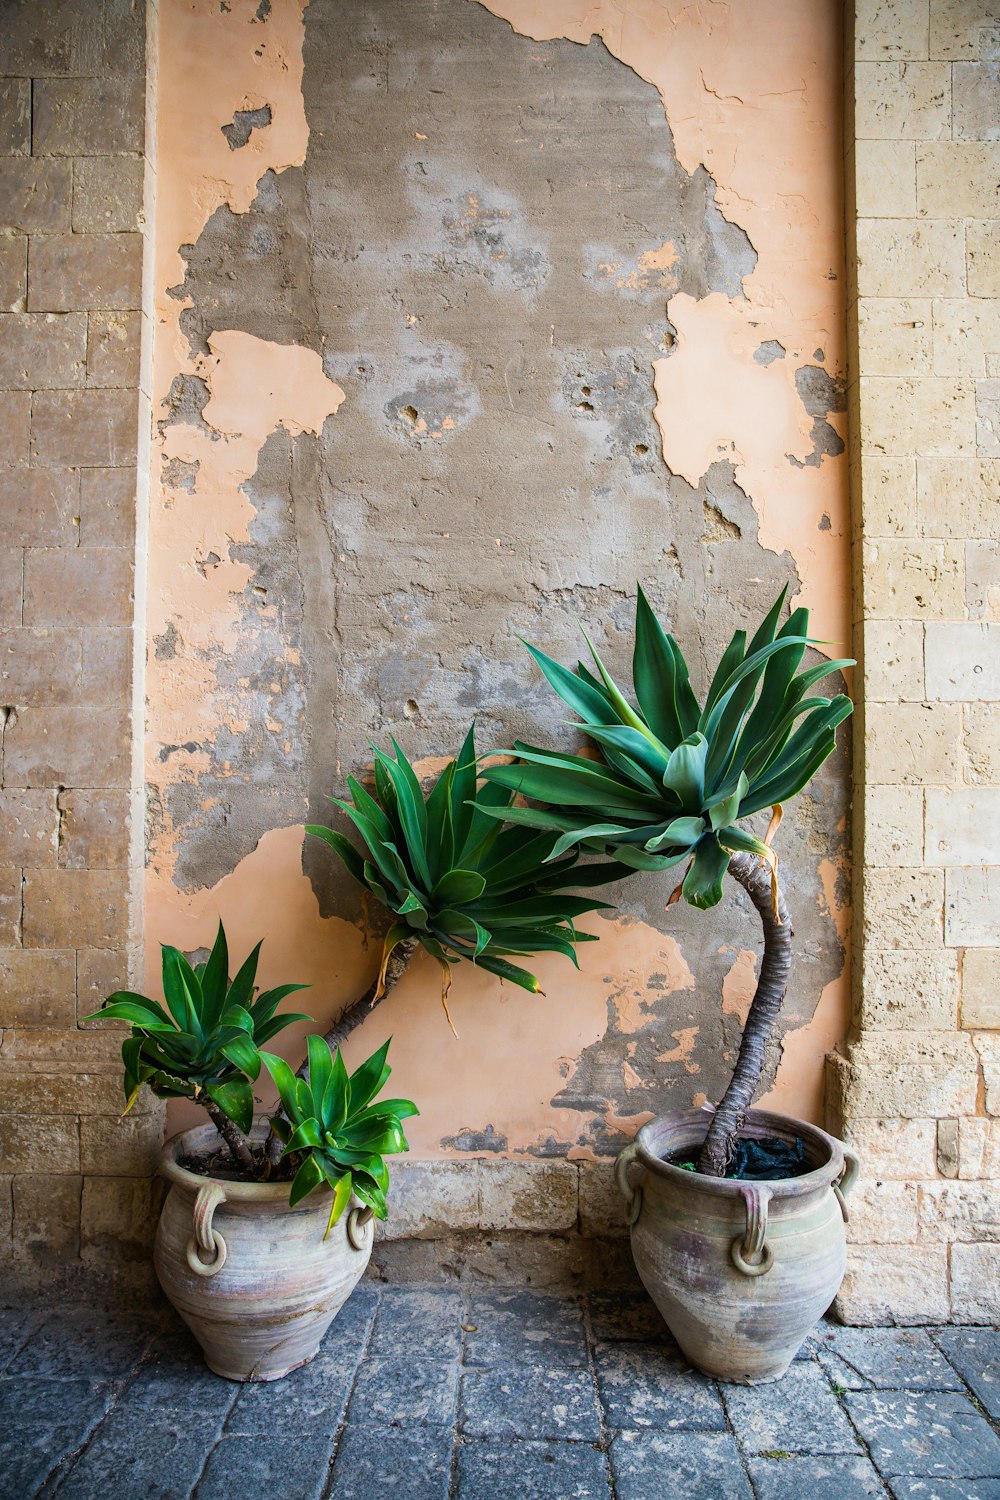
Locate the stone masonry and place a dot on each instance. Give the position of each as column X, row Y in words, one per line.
column 73, row 1181
column 917, row 1089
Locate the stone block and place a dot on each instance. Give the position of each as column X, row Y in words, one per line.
column 85, row 429
column 979, row 1148
column 602, row 1207
column 85, row 586
column 532, row 1195
column 93, row 830
column 15, row 117
column 37, row 988
column 30, row 1145
column 40, row 507
column 982, row 258
column 975, row 1283
column 35, row 196
column 99, row 972
column 883, row 1212
column 982, row 580
column 118, row 1216
column 987, row 1045
column 42, row 351
column 112, row 1146
column 67, row 1094
column 10, row 906
column 113, row 349
column 84, row 271
column 956, row 830
column 981, row 989
column 106, row 668
column 958, row 180
column 430, row 1199
column 13, row 273
column 96, row 1050
column 893, row 661
column 904, row 1439
column 895, row 336
column 75, row 908
column 6, row 1216
column 956, row 28
column 962, row 661
column 958, row 497
column 483, row 1468
column 107, row 508
column 40, row 668
column 958, row 1211
column 28, row 826
column 894, row 1284
column 902, row 101
column 88, row 116
column 912, row 1075
column 910, row 258
column 932, row 417
column 15, row 429
column 107, row 194
column 972, row 908
column 888, row 496
column 892, row 829
column 890, row 30
column 891, row 1148
column 947, row 1148
column 966, row 332
column 46, row 1217
column 885, row 180
column 913, row 743
column 11, row 574
column 63, row 746
column 903, row 991
column 63, row 45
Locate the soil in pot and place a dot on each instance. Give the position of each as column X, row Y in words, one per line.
column 766, row 1158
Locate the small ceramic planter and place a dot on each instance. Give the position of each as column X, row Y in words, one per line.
column 741, row 1271
column 253, row 1279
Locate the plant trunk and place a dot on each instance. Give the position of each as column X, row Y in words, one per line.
column 720, row 1143
column 352, row 1017
column 239, row 1146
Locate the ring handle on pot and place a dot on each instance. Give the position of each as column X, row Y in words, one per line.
column 206, row 1240
column 752, row 1254
column 632, row 1193
column 847, row 1178
column 358, row 1235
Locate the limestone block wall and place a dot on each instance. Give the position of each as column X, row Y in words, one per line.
column 918, row 1088
column 73, row 1181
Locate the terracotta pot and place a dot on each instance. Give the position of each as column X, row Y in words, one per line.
column 253, row 1279
column 741, row 1271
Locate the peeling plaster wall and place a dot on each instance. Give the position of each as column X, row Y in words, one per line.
column 467, row 317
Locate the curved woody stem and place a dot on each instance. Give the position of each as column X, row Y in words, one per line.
column 720, row 1143
column 239, row 1146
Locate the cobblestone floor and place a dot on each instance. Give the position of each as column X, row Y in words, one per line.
column 425, row 1393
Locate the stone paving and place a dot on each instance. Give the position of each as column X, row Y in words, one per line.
column 427, row 1393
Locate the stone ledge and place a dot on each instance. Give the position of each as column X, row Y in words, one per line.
column 432, row 1200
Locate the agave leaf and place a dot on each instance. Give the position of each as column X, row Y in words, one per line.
column 342, row 847
column 619, row 702
column 412, row 813
column 577, row 785
column 660, row 676
column 593, row 831
column 235, row 1099
column 682, row 833
column 413, row 910
column 703, row 881
column 726, row 811
column 685, row 773
column 242, row 988
column 182, row 992
column 242, row 1053
column 284, row 1081
column 145, row 1014
column 731, row 658
column 309, row 1177
column 214, row 980
column 367, row 805
column 306, row 1134
column 458, row 887
column 587, row 701
column 463, row 790
column 505, row 970
column 341, row 1198
column 371, row 1197
column 367, row 1080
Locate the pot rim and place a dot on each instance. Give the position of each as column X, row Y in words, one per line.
column 780, row 1187
column 188, row 1141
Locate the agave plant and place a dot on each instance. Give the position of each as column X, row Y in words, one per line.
column 676, row 779
column 330, row 1125
column 206, row 1044
column 455, row 881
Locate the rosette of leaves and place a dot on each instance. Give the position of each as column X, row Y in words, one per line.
column 334, row 1129
column 205, row 1044
column 676, row 777
column 454, row 879
column 675, row 780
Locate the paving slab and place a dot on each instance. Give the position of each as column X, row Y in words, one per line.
column 799, row 1413
column 944, row 1489
column 627, row 1315
column 678, row 1466
column 410, row 1462
column 829, row 1477
column 530, row 1402
column 404, row 1391
column 297, row 1468
column 886, row 1359
column 41, row 1421
column 975, row 1354
column 910, row 1435
column 642, row 1386
column 422, row 1322
column 75, row 1342
column 531, row 1470
column 157, row 1457
column 311, row 1400
column 530, row 1327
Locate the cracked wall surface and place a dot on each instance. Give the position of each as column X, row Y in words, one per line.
column 465, row 323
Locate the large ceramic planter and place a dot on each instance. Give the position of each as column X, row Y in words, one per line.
column 253, row 1279
column 740, row 1270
